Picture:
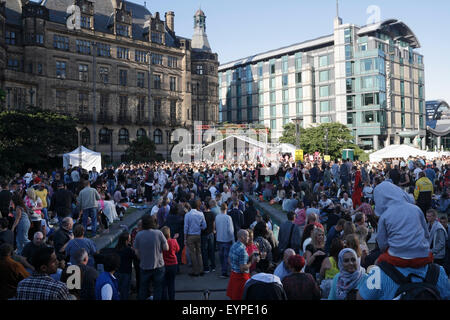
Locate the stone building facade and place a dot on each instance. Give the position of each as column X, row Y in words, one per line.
column 148, row 80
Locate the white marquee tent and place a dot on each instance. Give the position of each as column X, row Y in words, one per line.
column 83, row 157
column 397, row 151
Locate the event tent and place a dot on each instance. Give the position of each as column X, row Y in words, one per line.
column 83, row 157
column 396, row 151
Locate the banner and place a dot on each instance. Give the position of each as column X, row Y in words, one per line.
column 299, row 155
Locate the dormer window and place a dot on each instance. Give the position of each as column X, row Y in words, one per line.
column 122, row 30
column 157, row 37
column 85, row 22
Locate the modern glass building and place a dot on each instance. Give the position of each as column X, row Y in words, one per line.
column 370, row 78
column 438, row 125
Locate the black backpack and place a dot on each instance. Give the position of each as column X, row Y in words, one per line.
column 409, row 290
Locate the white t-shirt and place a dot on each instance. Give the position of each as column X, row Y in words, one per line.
column 154, row 210
column 213, row 190
column 347, row 204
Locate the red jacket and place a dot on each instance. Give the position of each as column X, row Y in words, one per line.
column 169, row 256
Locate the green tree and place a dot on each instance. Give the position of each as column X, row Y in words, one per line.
column 333, row 137
column 34, row 137
column 141, row 150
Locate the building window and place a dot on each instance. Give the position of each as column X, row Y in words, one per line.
column 172, row 62
column 249, row 100
column 173, row 110
column 285, row 80
column 61, row 100
column 285, row 65
column 123, row 77
column 273, row 97
column 85, row 22
column 60, row 69
column 60, row 42
column 122, row 53
column 368, row 117
column 157, row 59
column 157, row 104
column 13, row 64
column 103, row 50
column 199, row 69
column 285, row 95
column 298, row 77
column 299, row 108
column 83, row 47
column 83, row 72
column 273, row 124
column 298, row 61
column 39, row 68
column 104, row 101
column 141, row 133
column 272, row 83
column 349, row 68
column 157, row 81
column 260, row 69
column 104, row 136
column 173, row 84
column 324, row 61
column 85, row 137
column 324, row 106
column 348, row 36
column 273, row 111
column 285, row 110
column 157, row 136
column 83, row 100
column 140, row 56
column 350, row 85
column 350, row 118
column 124, row 137
column 157, row 37
column 370, row 99
column 324, row 91
column 272, row 67
column 104, row 74
column 122, row 30
column 123, row 106
column 140, row 79
column 10, row 37
column 324, row 76
column 141, row 108
column 367, row 82
column 348, row 52
column 40, row 38
column 350, row 102
column 325, row 120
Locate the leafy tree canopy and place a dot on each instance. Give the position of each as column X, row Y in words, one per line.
column 32, row 137
column 141, row 150
column 315, row 139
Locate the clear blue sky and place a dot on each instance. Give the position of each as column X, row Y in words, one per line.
column 241, row 28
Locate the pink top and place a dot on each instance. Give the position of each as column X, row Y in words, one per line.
column 300, row 217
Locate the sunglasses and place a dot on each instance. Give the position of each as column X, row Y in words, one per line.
column 349, row 260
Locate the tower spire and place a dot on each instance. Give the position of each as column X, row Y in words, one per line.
column 337, row 8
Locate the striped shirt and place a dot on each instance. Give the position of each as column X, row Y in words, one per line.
column 238, row 256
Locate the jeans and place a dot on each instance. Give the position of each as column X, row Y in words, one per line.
column 45, row 212
column 169, row 282
column 22, row 234
column 157, row 277
column 124, row 285
column 111, row 186
column 195, row 252
column 224, row 249
column 90, row 212
column 208, row 251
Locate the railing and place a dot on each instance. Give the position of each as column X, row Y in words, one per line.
column 124, row 119
column 84, row 117
column 104, row 118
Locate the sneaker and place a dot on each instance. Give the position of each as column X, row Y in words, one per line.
column 206, row 271
column 213, row 270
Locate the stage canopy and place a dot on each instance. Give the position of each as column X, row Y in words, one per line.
column 83, row 157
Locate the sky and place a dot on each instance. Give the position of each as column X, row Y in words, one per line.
column 241, row 28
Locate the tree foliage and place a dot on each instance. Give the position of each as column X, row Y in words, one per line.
column 315, row 139
column 141, row 150
column 33, row 138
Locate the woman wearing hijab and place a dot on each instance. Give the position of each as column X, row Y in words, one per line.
column 346, row 282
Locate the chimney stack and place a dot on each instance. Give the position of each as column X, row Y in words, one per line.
column 170, row 20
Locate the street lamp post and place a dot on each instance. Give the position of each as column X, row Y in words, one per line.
column 94, row 92
column 298, row 121
column 168, row 140
column 326, row 140
column 111, row 143
column 149, row 93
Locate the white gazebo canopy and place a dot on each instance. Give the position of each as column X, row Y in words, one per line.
column 83, row 157
column 396, row 151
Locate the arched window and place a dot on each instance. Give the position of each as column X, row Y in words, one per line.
column 124, row 137
column 104, row 136
column 157, row 136
column 85, row 137
column 141, row 133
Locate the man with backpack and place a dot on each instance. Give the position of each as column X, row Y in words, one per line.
column 405, row 269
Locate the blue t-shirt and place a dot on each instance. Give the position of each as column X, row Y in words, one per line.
column 76, row 244
column 378, row 286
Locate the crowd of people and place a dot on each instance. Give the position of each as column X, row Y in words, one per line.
column 324, row 250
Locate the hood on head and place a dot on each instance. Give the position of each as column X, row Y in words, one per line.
column 387, row 194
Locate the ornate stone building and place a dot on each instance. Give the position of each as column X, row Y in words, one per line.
column 113, row 57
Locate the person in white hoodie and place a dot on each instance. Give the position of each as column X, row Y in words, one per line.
column 438, row 237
